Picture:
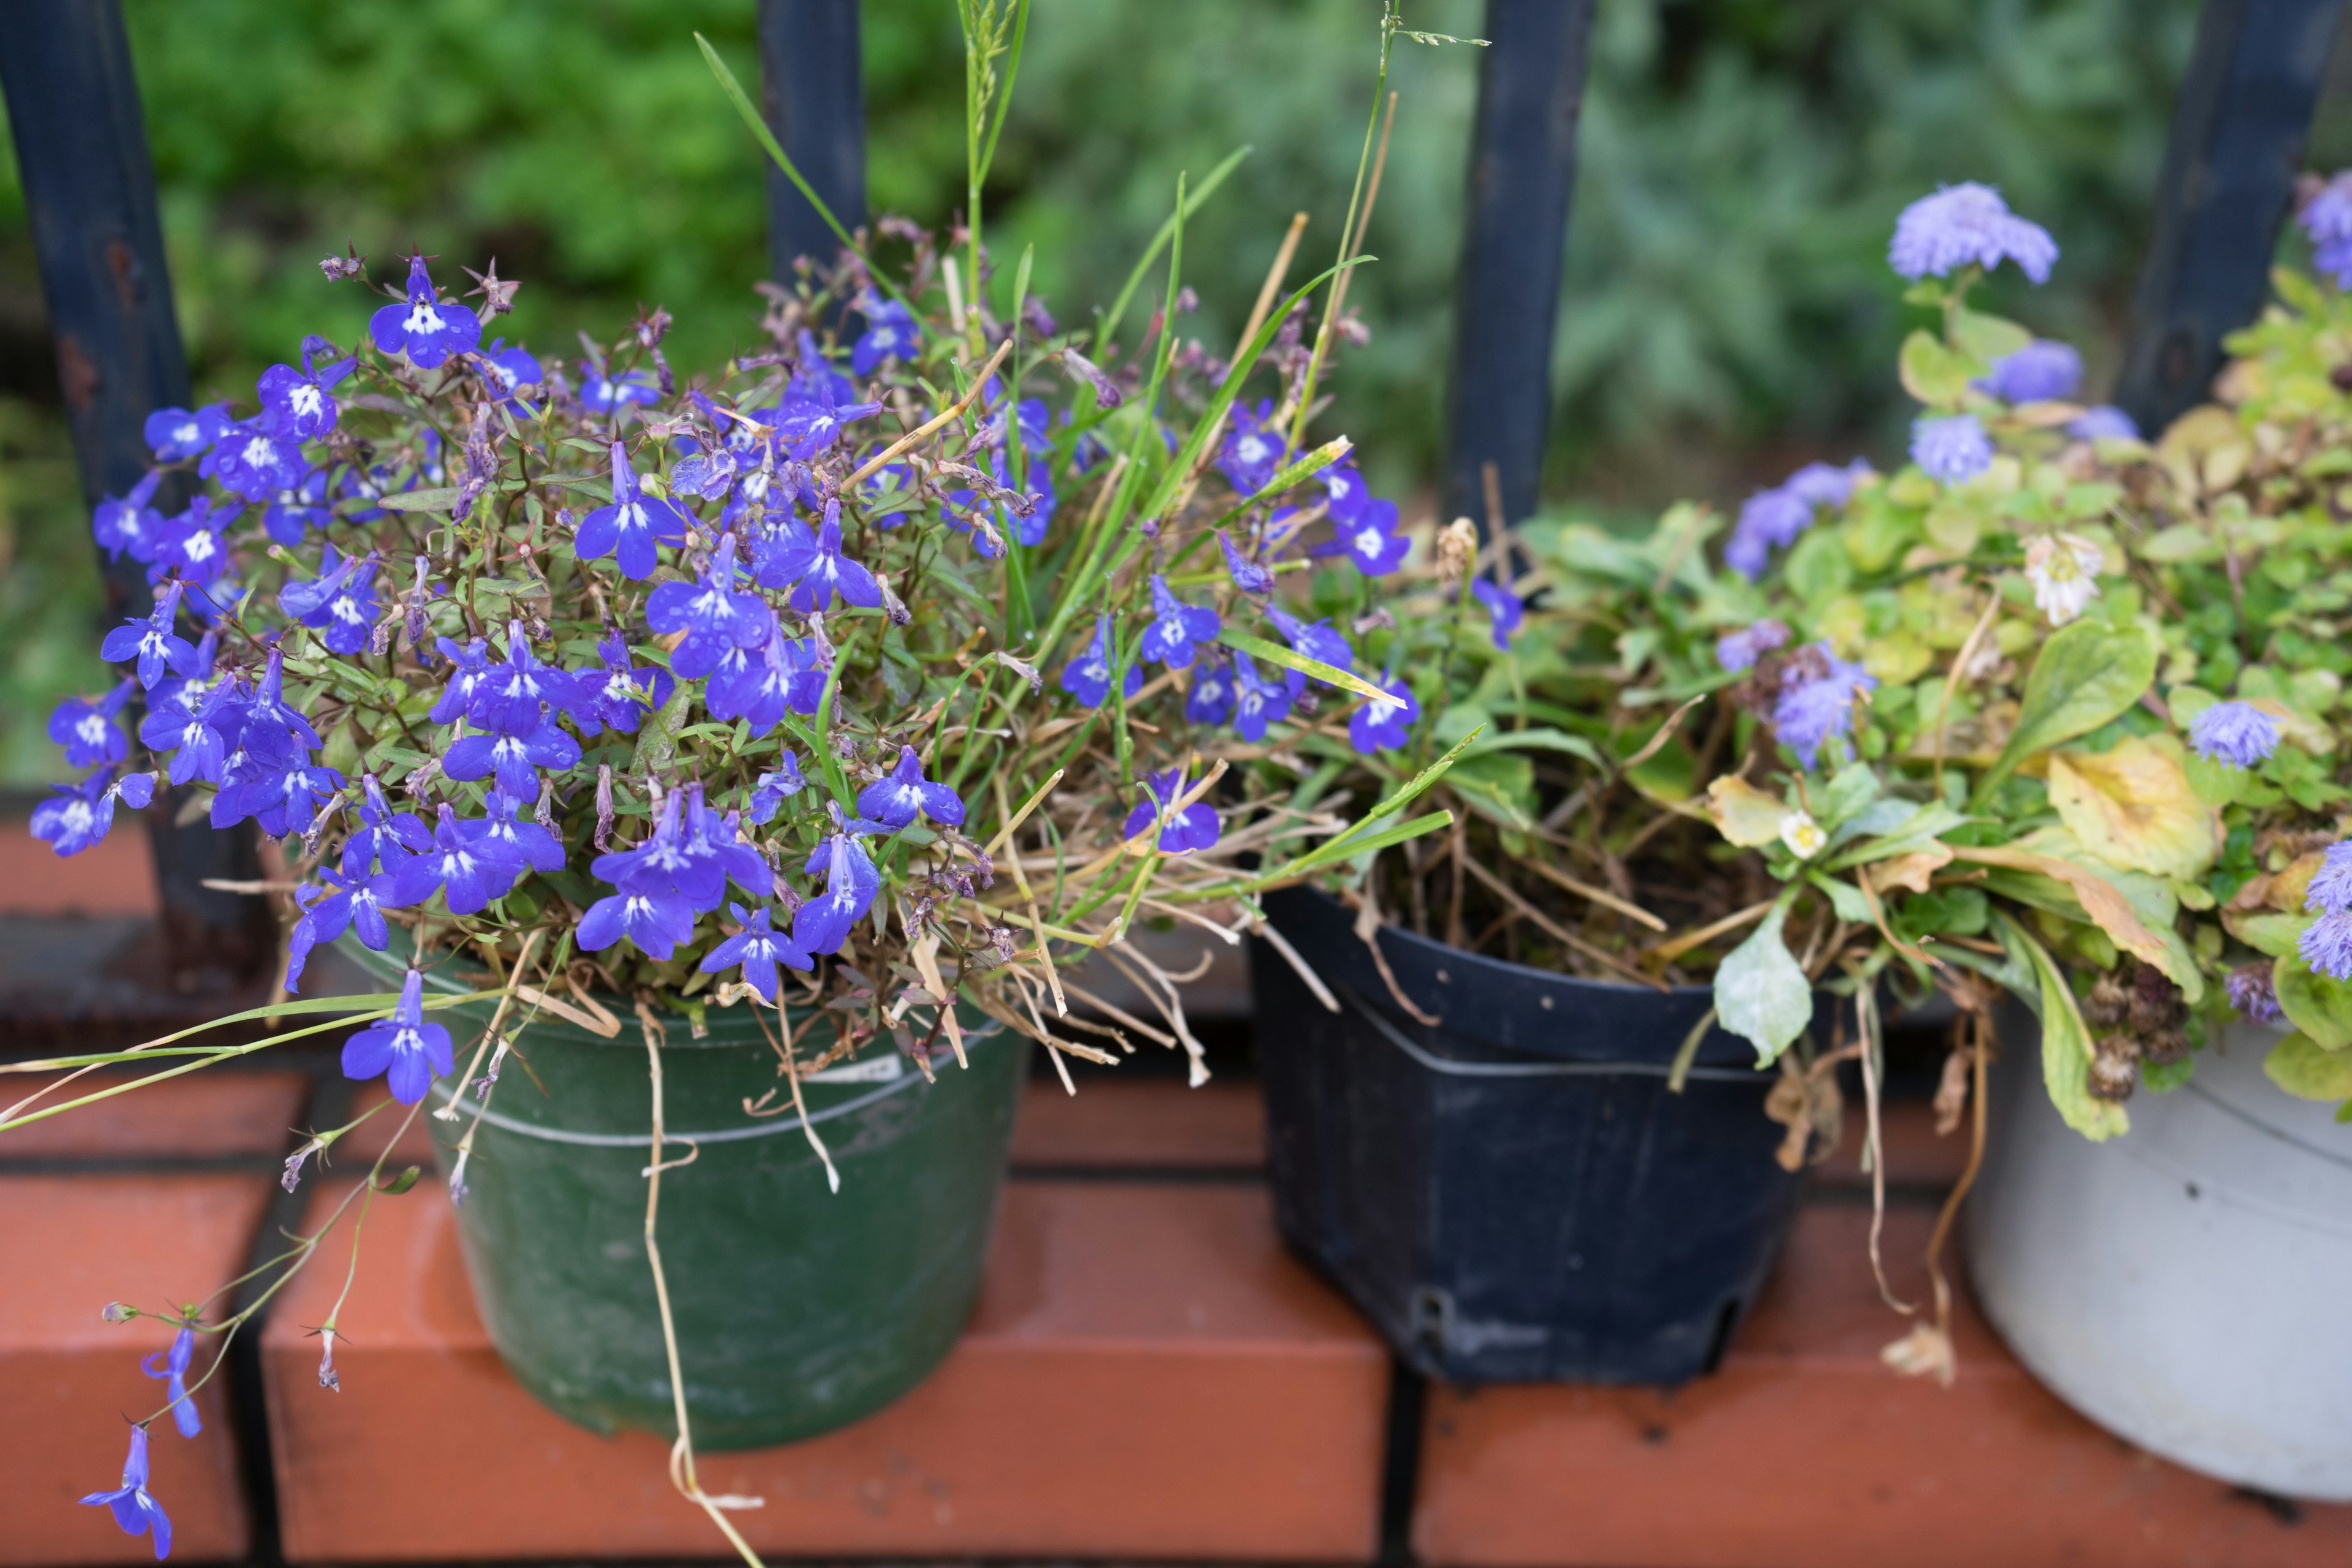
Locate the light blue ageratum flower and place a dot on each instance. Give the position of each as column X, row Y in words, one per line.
column 2326, row 219
column 2104, row 422
column 1952, row 448
column 2326, row 945
column 1965, row 224
column 2236, row 733
column 1816, row 702
column 2042, row 370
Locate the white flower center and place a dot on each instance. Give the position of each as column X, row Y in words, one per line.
column 423, row 318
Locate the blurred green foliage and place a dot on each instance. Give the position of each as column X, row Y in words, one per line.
column 1725, row 311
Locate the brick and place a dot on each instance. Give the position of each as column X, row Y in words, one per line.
column 113, row 877
column 215, row 1113
column 1805, row 1448
column 68, row 1381
column 1144, row 1123
column 1146, row 1373
column 1916, row 1156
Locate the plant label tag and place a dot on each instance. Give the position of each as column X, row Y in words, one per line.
column 881, row 1070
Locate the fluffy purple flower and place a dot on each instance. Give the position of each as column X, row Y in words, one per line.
column 2252, row 994
column 1773, row 518
column 1816, row 702
column 1825, row 484
column 890, row 334
column 712, row 614
column 1505, row 610
column 2104, row 422
column 300, row 401
column 2042, row 370
column 1963, row 224
column 896, row 800
column 1741, row 649
column 85, row 727
column 170, row 1368
column 630, row 528
column 1952, row 448
column 2331, row 887
column 1191, row 829
column 2326, row 945
column 405, row 1050
column 136, row 1511
column 425, row 329
column 815, row 568
column 178, row 434
column 2237, row 734
column 757, row 951
column 1385, row 726
column 2327, row 219
column 1175, row 628
column 1088, row 677
column 130, row 523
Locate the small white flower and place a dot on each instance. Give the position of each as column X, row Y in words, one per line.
column 2064, row 570
column 1802, row 835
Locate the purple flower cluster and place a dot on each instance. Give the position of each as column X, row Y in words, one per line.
column 1363, row 526
column 2237, row 734
column 2326, row 942
column 1816, row 701
column 1950, row 448
column 1968, row 225
column 2042, row 371
column 1773, row 518
column 2325, row 216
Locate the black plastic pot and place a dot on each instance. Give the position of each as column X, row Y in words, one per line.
column 1514, row 1196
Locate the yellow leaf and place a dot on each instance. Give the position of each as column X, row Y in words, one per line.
column 2133, row 807
column 2108, row 908
column 1910, row 870
column 2300, row 728
column 1744, row 814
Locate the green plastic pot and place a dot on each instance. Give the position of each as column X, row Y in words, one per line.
column 798, row 1309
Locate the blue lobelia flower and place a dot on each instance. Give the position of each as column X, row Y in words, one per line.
column 804, row 430
column 176, row 435
column 712, row 615
column 129, row 522
column 823, row 923
column 903, row 794
column 424, row 329
column 1257, row 701
column 349, row 900
column 1815, row 705
column 1371, row 539
column 815, row 569
column 630, row 528
column 524, row 842
column 283, row 797
column 1247, row 574
column 1952, row 448
column 604, row 393
column 2238, row 734
column 784, row 675
column 513, row 760
column 2042, row 370
column 134, row 1510
column 1253, row 450
column 455, row 866
column 274, row 730
column 620, row 696
column 2327, row 220
column 757, row 951
column 194, row 544
column 85, row 727
column 512, row 369
column 656, row 922
column 469, row 667
column 814, row 380
column 1965, row 224
column 76, row 817
column 719, row 838
column 254, row 459
column 301, row 401
column 1026, row 528
column 1088, row 677
column 1505, row 611
column 405, row 1050
column 171, row 1367
column 510, row 698
column 296, row 511
column 890, row 334
column 2103, row 422
column 1187, row 829
column 192, row 721
column 1317, row 640
column 1385, row 726
column 1210, row 699
column 1176, row 626
column 771, row 789
column 340, row 601
column 1346, row 493
column 385, row 836
column 151, row 640
column 1741, row 649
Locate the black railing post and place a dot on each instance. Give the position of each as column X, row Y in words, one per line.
column 812, row 92
column 2229, row 176
column 82, row 152
column 1522, row 170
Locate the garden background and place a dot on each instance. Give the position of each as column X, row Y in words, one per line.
column 1740, row 164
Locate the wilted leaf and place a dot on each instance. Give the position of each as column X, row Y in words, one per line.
column 1924, row 1351
column 2312, row 1002
column 2066, row 1049
column 1912, row 870
column 2302, row 1067
column 2132, row 806
column 2088, row 672
column 1761, row 993
column 2205, row 449
column 1744, row 814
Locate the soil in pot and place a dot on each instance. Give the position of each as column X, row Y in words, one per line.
column 2182, row 1284
column 798, row 1309
column 1513, row 1194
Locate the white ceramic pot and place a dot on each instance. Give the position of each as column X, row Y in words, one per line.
column 2189, row 1285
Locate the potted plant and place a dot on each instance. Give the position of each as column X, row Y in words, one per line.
column 2047, row 711
column 715, row 772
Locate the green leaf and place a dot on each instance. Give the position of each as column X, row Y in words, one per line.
column 1923, row 828
column 2312, row 1002
column 2088, row 672
column 2067, row 1048
column 1933, row 373
column 1759, row 992
column 1500, row 786
column 1852, row 789
column 1988, row 338
column 1371, row 843
column 1313, row 668
column 2272, row 934
column 2305, row 1068
column 1844, row 898
column 420, row 500
column 1193, row 196
column 1538, row 740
